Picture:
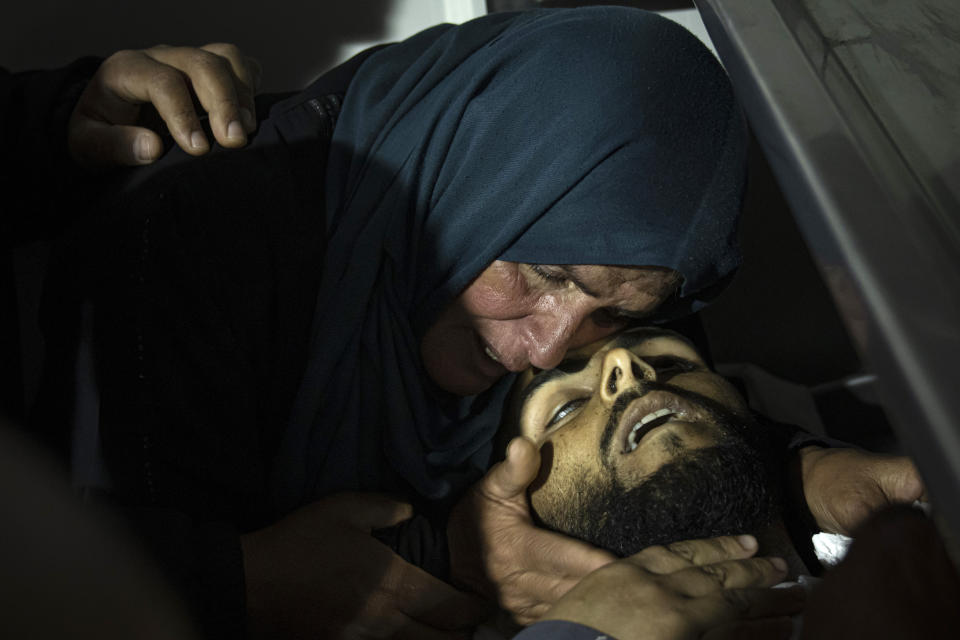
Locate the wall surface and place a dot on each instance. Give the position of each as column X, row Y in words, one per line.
column 293, row 40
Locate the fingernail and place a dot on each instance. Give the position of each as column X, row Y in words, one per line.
column 747, row 542
column 779, row 563
column 198, row 140
column 235, row 130
column 142, row 149
column 248, row 120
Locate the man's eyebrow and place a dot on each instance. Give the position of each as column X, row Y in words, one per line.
column 637, row 335
column 565, row 368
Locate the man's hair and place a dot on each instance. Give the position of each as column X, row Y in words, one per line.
column 724, row 489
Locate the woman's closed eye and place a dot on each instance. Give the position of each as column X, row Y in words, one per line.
column 546, row 275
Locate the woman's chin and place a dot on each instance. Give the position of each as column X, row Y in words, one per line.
column 464, row 386
column 464, row 381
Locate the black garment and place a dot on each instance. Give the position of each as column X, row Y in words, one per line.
column 37, row 183
column 36, row 174
column 202, row 274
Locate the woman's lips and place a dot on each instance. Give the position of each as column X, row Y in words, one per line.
column 490, row 361
column 492, row 356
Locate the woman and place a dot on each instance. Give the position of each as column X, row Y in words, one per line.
column 465, row 148
column 495, row 193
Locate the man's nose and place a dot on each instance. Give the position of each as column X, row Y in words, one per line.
column 622, row 369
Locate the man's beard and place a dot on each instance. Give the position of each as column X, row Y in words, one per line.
column 723, row 489
column 719, row 490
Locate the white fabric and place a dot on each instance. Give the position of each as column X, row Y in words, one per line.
column 830, row 547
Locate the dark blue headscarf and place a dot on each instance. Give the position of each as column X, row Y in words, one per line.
column 602, row 135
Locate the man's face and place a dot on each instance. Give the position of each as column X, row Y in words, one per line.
column 616, row 412
column 625, row 406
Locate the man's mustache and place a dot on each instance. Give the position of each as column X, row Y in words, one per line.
column 725, row 420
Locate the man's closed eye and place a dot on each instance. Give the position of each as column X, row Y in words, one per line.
column 565, row 410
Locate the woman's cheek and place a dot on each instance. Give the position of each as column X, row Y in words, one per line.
column 501, row 291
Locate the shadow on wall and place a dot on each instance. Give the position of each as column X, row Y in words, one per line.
column 778, row 312
column 294, row 41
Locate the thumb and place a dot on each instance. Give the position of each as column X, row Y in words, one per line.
column 96, row 144
column 508, row 480
column 899, row 480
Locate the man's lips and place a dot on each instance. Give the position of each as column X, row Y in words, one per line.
column 652, row 410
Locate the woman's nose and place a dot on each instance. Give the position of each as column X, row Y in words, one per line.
column 623, row 369
column 549, row 335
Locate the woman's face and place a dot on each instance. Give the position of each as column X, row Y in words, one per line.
column 514, row 315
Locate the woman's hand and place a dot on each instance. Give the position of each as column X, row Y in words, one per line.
column 318, row 573
column 496, row 550
column 708, row 589
column 844, row 486
column 103, row 128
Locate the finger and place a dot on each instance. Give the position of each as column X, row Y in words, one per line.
column 771, row 603
column 531, row 614
column 433, row 602
column 215, row 85
column 246, row 69
column 508, row 480
column 367, row 511
column 766, row 629
column 530, row 598
column 247, row 72
column 547, row 587
column 565, row 557
column 690, row 553
column 899, row 479
column 731, row 574
column 99, row 144
column 140, row 78
column 729, row 605
column 124, row 81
